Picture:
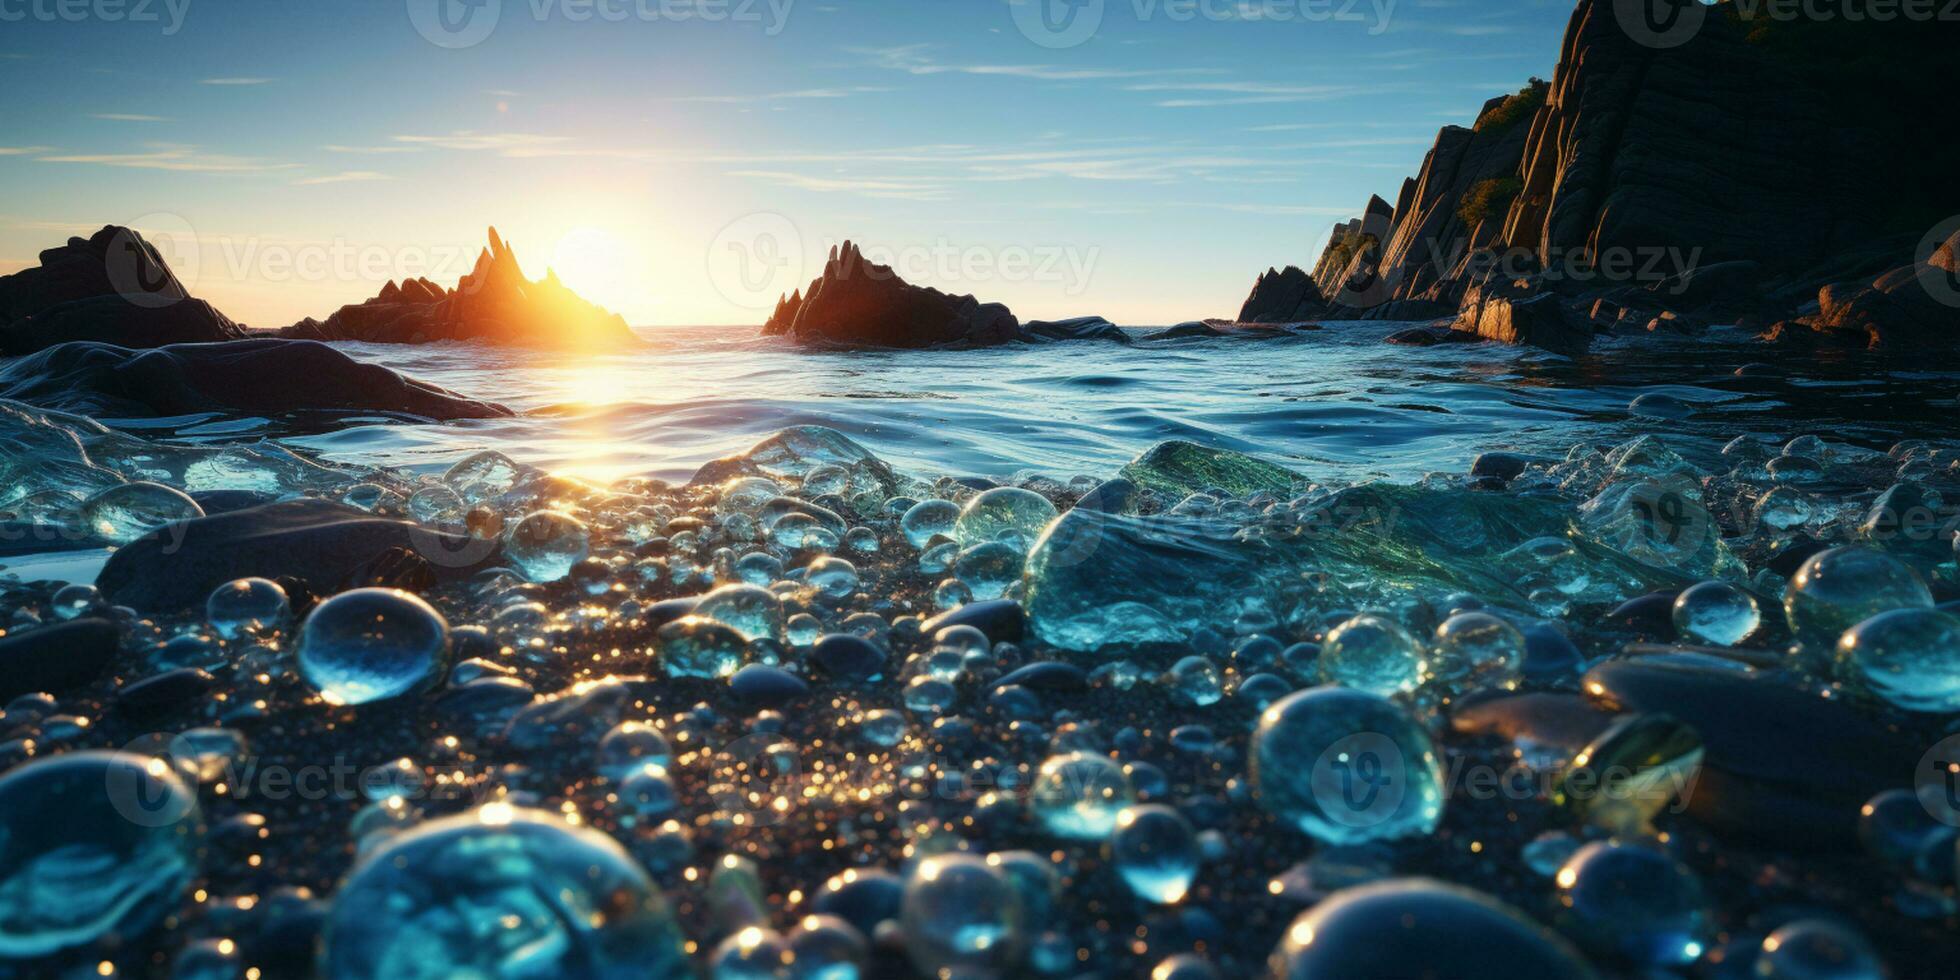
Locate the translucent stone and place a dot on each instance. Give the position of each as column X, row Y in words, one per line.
column 1476, row 651
column 372, row 644
column 482, row 477
column 629, row 746
column 400, row 779
column 693, row 646
column 122, row 514
column 1716, row 613
column 1548, row 852
column 71, row 601
column 92, row 843
column 929, row 695
column 753, row 953
column 1661, row 522
column 1155, row 851
column 1346, row 767
column 939, row 558
column 1195, row 680
column 1635, row 903
column 545, row 545
column 1180, row 468
column 1078, row 795
column 989, row 568
column 1840, row 588
column 759, row 568
column 1785, row 508
column 1818, row 949
column 1374, row 654
column 1910, row 658
column 644, row 796
column 962, row 917
column 747, row 495
column 438, row 506
column 752, row 611
column 500, row 892
column 1901, row 831
column 832, row 576
column 883, row 727
column 1628, row 773
column 1003, row 511
column 862, row 540
column 1419, row 928
column 799, row 532
column 803, row 629
column 247, row 607
column 825, row 947
column 951, row 594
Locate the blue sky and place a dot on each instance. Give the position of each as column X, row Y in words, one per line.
column 682, row 160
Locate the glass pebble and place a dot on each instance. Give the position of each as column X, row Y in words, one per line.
column 372, row 644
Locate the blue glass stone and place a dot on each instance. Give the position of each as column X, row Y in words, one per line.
column 1078, row 795
column 544, row 546
column 246, row 607
column 92, row 844
column 751, row 610
column 1003, row 513
column 1717, row 613
column 1155, row 851
column 962, row 916
column 1818, row 949
column 1910, row 658
column 1420, row 928
column 825, row 947
column 692, row 646
column 123, row 513
column 1635, row 903
column 372, row 644
column 1476, row 651
column 1346, row 767
column 833, row 577
column 500, row 892
column 1842, row 587
column 1374, row 654
column 929, row 519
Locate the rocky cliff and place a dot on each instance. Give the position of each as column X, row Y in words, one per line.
column 111, row 287
column 859, row 303
column 493, row 303
column 1728, row 168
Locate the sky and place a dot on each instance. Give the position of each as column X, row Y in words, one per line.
column 686, row 161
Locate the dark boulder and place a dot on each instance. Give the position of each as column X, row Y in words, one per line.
column 1536, row 321
column 1912, row 306
column 1190, row 328
column 1078, row 328
column 263, row 376
column 56, row 657
column 1288, row 296
column 859, row 303
column 319, row 543
column 495, row 303
column 112, row 286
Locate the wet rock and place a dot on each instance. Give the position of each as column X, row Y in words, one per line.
column 1048, row 675
column 494, row 303
column 571, row 719
column 1420, row 928
column 1651, row 615
column 858, row 303
column 163, row 691
column 1428, row 337
column 1288, row 296
column 1783, row 765
column 766, row 686
column 1539, row 723
column 1535, row 321
column 1003, row 620
column 1183, row 331
column 112, row 287
column 1503, row 466
column 1549, row 653
column 317, row 542
column 262, row 376
column 55, row 657
column 1180, row 468
column 486, row 705
column 1078, row 328
column 848, row 657
column 226, row 501
column 395, row 568
column 1117, row 496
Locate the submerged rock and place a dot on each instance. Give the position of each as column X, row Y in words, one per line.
column 112, row 287
column 858, row 303
column 1181, row 468
column 317, row 542
column 494, row 303
column 263, row 376
column 1420, row 928
column 1078, row 328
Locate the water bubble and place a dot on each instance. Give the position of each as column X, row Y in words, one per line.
column 883, row 727
column 938, row 558
column 1717, row 613
column 1901, row 831
column 1078, row 795
column 1346, row 767
column 1633, row 902
column 483, row 476
column 1840, row 588
column 929, row 695
column 988, row 569
column 1419, row 928
column 753, row 953
column 1784, row 508
column 1476, row 651
column 94, row 843
column 644, row 796
column 500, row 891
column 962, row 916
column 246, row 607
column 122, row 514
column 802, row 629
column 759, row 568
column 1156, row 852
column 372, row 644
column 1908, row 657
column 1372, row 653
column 1816, row 949
column 1195, row 680
column 752, row 611
column 832, row 576
column 693, row 646
column 862, row 540
column 825, row 947
column 71, row 601
column 747, row 495
column 545, row 545
column 629, row 746
column 437, row 506
column 1002, row 511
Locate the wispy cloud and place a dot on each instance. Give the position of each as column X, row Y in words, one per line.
column 21, row 151
column 176, row 158
column 340, row 148
column 898, row 189
column 234, row 81
column 128, row 117
column 917, row 59
column 807, row 93
column 343, row 177
column 509, row 144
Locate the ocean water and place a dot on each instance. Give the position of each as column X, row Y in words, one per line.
column 1335, row 404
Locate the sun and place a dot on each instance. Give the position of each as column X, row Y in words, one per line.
column 596, row 264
